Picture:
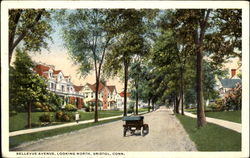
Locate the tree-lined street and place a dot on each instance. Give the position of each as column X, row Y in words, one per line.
column 165, row 134
column 171, row 59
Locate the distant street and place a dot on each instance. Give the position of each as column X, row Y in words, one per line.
column 165, row 134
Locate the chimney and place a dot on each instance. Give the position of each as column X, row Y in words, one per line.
column 233, row 72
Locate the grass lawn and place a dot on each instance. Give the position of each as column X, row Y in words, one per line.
column 234, row 116
column 211, row 137
column 17, row 140
column 142, row 109
column 19, row 121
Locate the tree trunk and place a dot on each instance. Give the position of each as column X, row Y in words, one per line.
column 153, row 105
column 125, row 88
column 149, row 105
column 201, row 119
column 182, row 85
column 96, row 99
column 136, row 102
column 29, row 115
column 174, row 104
column 177, row 103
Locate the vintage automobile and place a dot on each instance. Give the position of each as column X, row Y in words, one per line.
column 133, row 123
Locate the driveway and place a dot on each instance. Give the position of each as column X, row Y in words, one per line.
column 165, row 134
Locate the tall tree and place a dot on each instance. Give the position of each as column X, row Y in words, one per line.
column 209, row 31
column 26, row 87
column 87, row 39
column 29, row 28
column 130, row 41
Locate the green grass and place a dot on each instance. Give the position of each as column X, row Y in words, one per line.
column 211, row 137
column 234, row 116
column 190, row 110
column 142, row 109
column 19, row 121
column 17, row 140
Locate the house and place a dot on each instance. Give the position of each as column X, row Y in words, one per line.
column 106, row 95
column 61, row 85
column 225, row 85
column 120, row 100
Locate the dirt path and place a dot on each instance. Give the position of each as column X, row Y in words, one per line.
column 165, row 134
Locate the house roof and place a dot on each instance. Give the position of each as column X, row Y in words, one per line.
column 230, row 83
column 77, row 88
column 122, row 94
column 40, row 69
column 111, row 88
column 56, row 72
column 93, row 86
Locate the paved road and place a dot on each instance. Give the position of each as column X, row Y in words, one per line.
column 165, row 134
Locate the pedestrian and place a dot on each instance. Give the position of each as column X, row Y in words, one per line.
column 77, row 116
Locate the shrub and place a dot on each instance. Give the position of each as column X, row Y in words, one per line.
column 70, row 107
column 59, row 115
column 45, row 117
column 233, row 99
column 67, row 117
column 131, row 109
column 218, row 105
column 87, row 109
column 64, row 116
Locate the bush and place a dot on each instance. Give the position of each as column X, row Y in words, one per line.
column 233, row 99
column 70, row 107
column 131, row 109
column 64, row 116
column 59, row 115
column 45, row 118
column 218, row 105
column 87, row 109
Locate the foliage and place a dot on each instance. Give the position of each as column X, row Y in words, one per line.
column 64, row 116
column 25, row 86
column 233, row 99
column 29, row 28
column 70, row 107
column 131, row 109
column 46, row 117
column 205, row 32
column 131, row 41
column 59, row 115
column 86, row 36
column 54, row 101
column 218, row 105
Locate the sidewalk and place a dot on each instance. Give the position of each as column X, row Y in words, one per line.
column 227, row 124
column 33, row 130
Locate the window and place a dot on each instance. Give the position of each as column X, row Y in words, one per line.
column 51, row 85
column 92, row 95
column 62, row 87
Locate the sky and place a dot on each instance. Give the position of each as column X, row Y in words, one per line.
column 57, row 56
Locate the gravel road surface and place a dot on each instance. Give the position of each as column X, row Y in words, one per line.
column 165, row 134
